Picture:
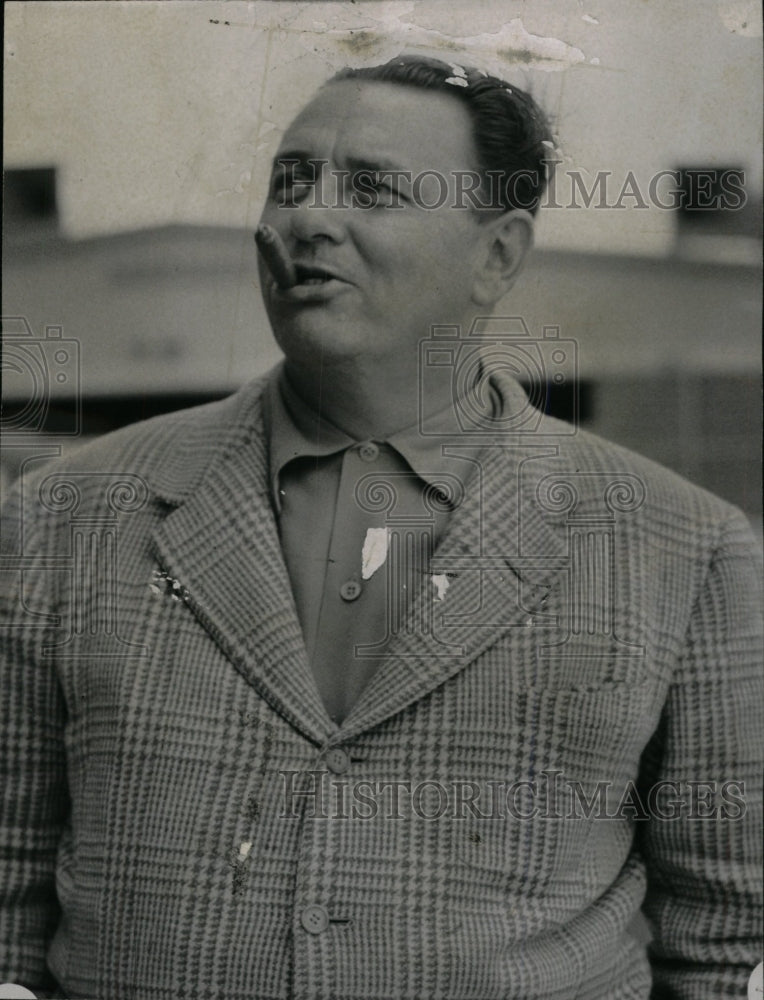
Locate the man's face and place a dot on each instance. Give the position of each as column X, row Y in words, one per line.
column 396, row 270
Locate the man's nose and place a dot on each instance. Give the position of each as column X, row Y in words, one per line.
column 319, row 214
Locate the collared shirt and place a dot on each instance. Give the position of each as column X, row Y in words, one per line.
column 359, row 521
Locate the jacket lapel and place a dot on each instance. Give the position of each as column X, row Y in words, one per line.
column 221, row 544
column 501, row 556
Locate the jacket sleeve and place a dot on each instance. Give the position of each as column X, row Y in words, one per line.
column 33, row 788
column 704, row 900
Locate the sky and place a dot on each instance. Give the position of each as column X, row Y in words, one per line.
column 170, row 112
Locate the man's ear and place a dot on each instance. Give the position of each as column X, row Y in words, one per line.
column 506, row 241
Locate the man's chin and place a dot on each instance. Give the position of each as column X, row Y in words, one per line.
column 310, row 338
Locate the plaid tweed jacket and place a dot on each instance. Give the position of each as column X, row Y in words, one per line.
column 181, row 819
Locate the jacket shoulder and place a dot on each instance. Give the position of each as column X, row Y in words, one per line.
column 173, row 451
column 661, row 496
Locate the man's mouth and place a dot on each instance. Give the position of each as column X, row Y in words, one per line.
column 310, row 274
column 315, row 285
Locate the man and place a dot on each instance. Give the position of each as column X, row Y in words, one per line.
column 370, row 681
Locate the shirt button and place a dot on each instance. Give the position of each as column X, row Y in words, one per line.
column 350, row 590
column 369, row 452
column 314, row 919
column 337, row 760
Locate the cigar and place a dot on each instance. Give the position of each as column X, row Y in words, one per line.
column 276, row 256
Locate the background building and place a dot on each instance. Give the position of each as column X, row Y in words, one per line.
column 138, row 143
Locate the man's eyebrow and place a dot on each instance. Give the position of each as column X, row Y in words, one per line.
column 292, row 156
column 373, row 164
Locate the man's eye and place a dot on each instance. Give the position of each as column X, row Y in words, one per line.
column 291, row 182
column 383, row 183
column 376, row 188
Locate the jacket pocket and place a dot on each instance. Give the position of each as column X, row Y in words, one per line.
column 563, row 760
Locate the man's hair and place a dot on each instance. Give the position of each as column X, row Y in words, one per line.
column 511, row 134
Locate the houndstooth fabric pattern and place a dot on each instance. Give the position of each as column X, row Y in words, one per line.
column 175, row 823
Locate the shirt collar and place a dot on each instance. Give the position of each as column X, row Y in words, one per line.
column 294, row 430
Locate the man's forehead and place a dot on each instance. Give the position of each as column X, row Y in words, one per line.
column 384, row 124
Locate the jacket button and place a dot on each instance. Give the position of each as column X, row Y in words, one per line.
column 314, row 919
column 350, row 590
column 337, row 760
column 369, row 452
